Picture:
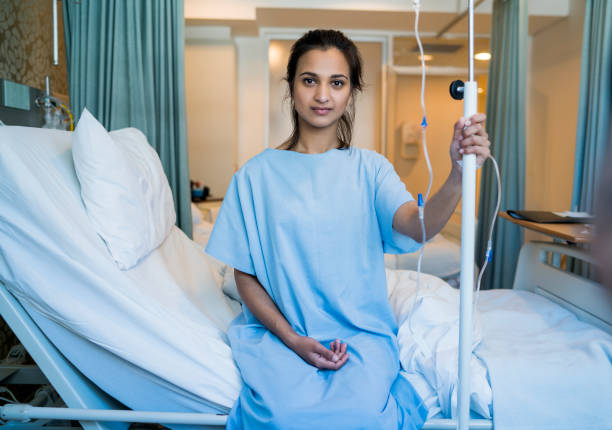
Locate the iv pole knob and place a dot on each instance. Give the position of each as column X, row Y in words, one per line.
column 457, row 89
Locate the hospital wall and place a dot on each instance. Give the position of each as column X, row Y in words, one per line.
column 27, row 48
column 552, row 104
column 210, row 84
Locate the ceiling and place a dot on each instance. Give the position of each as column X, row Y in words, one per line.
column 405, row 51
column 400, row 21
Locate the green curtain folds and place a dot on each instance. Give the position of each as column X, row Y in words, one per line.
column 594, row 103
column 506, row 127
column 126, row 65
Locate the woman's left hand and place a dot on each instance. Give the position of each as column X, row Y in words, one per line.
column 470, row 137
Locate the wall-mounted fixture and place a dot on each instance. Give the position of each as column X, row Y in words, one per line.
column 409, row 141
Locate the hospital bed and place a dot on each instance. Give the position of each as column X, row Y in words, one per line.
column 148, row 344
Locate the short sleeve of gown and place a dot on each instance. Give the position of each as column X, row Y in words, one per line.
column 390, row 194
column 229, row 241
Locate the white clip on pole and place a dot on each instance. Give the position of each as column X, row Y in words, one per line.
column 55, row 42
column 468, row 233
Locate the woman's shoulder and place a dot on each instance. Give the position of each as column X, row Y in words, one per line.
column 371, row 158
column 253, row 164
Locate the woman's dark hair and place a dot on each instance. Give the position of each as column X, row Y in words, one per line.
column 326, row 39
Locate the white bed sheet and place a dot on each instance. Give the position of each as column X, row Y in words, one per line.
column 167, row 315
column 428, row 337
column 548, row 369
column 535, row 364
column 147, row 392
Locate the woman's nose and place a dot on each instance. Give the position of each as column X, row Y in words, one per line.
column 322, row 94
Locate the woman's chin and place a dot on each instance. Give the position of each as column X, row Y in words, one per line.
column 320, row 122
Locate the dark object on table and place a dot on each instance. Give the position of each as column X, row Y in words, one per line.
column 199, row 193
column 548, row 217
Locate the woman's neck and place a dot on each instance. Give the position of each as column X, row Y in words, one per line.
column 314, row 140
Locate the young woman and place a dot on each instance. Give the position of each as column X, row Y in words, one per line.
column 305, row 227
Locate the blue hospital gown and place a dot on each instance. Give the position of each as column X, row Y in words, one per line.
column 313, row 229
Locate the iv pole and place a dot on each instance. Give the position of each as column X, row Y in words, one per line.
column 468, row 233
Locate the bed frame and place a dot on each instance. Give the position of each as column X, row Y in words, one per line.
column 96, row 410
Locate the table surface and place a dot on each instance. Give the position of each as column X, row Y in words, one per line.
column 574, row 233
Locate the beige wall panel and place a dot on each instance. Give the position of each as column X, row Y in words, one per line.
column 552, row 97
column 442, row 112
column 210, row 83
column 251, row 66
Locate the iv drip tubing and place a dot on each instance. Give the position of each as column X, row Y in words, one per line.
column 423, row 81
column 489, row 252
column 422, row 202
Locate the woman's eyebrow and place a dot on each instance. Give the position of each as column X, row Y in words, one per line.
column 335, row 76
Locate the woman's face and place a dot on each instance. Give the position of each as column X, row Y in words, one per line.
column 321, row 89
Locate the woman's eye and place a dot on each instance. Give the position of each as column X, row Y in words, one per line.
column 337, row 83
column 309, row 81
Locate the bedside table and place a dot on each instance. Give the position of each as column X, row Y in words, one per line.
column 210, row 208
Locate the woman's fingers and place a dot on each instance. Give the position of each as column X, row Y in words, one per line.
column 319, row 356
column 466, row 127
column 341, row 362
column 457, row 131
column 473, row 130
column 324, row 364
column 327, row 354
column 477, row 118
column 470, row 137
column 338, row 348
column 474, row 142
column 335, row 346
column 330, row 359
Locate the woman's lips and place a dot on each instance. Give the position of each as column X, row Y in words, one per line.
column 321, row 111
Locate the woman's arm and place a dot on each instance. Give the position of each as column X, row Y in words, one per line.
column 469, row 137
column 257, row 300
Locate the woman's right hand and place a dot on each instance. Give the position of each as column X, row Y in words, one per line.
column 315, row 354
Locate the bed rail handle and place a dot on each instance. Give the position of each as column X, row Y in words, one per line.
column 23, row 412
column 584, row 297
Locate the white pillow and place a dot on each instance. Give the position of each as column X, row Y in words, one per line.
column 124, row 188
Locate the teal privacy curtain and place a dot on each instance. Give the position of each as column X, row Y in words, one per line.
column 506, row 127
column 126, row 65
column 594, row 103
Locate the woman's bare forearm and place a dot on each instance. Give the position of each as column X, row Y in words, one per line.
column 263, row 308
column 438, row 211
column 469, row 137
